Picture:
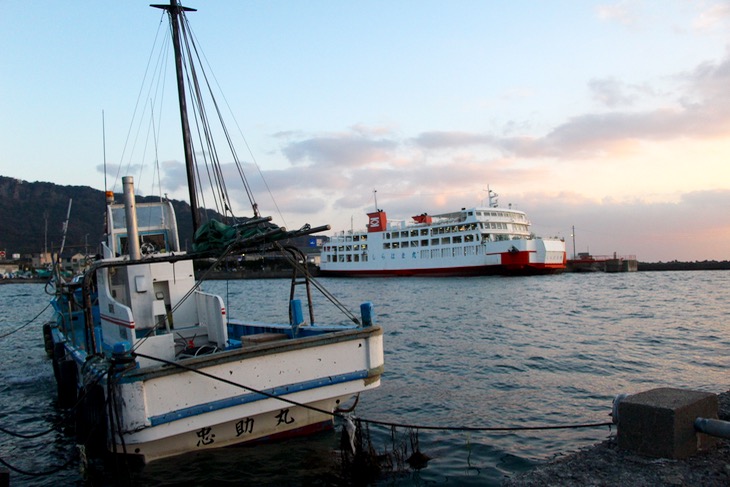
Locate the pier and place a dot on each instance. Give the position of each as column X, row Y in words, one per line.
column 602, row 263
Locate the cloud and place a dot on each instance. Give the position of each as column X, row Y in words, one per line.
column 341, row 150
column 712, row 16
column 652, row 231
column 610, row 92
column 438, row 140
column 618, row 12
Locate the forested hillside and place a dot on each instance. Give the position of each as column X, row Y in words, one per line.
column 25, row 207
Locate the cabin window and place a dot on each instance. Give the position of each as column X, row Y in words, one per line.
column 424, row 232
column 396, row 245
column 456, row 239
column 434, row 241
column 386, row 245
column 424, row 243
column 414, row 233
column 404, row 234
column 445, row 240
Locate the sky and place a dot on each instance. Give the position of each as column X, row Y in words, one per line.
column 607, row 122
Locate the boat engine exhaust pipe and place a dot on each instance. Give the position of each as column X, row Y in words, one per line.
column 130, row 212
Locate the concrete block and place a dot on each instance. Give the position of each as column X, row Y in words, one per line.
column 660, row 422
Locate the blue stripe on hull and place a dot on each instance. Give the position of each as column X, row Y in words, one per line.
column 249, row 398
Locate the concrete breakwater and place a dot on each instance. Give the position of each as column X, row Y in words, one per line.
column 607, row 464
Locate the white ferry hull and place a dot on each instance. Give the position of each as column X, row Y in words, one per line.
column 537, row 257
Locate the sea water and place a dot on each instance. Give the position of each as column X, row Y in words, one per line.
column 474, row 352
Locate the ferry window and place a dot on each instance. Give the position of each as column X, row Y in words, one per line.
column 445, row 252
column 404, row 234
column 424, row 231
column 404, row 244
column 364, row 257
column 396, row 245
column 445, row 240
column 364, row 237
column 356, row 247
column 470, row 213
column 357, row 257
column 414, row 233
column 434, row 253
column 356, row 238
column 425, row 254
column 434, row 241
column 414, row 243
column 468, row 238
column 349, row 258
column 348, row 248
column 456, row 239
column 364, row 246
column 341, row 258
column 386, row 245
column 387, row 235
column 424, row 243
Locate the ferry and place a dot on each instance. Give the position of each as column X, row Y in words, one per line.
column 472, row 241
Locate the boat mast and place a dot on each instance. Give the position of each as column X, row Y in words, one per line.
column 175, row 10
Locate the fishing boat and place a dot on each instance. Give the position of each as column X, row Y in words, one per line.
column 153, row 366
column 471, row 241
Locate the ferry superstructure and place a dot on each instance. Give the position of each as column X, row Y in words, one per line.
column 471, row 241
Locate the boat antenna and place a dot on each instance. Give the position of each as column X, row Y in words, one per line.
column 375, row 196
column 103, row 144
column 175, row 10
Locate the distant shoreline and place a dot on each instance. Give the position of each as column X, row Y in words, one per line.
column 284, row 273
column 708, row 265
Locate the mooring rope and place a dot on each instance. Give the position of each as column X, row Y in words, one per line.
column 377, row 422
column 28, row 323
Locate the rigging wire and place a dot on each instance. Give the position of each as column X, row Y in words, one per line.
column 136, row 106
column 243, row 137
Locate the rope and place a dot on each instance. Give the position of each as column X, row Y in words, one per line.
column 39, row 474
column 376, row 422
column 28, row 323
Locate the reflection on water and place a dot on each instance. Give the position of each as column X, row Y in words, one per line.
column 483, row 351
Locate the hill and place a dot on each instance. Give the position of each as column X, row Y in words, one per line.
column 26, row 207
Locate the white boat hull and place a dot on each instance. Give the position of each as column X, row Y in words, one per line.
column 218, row 401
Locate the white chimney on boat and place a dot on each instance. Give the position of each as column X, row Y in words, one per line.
column 130, row 212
